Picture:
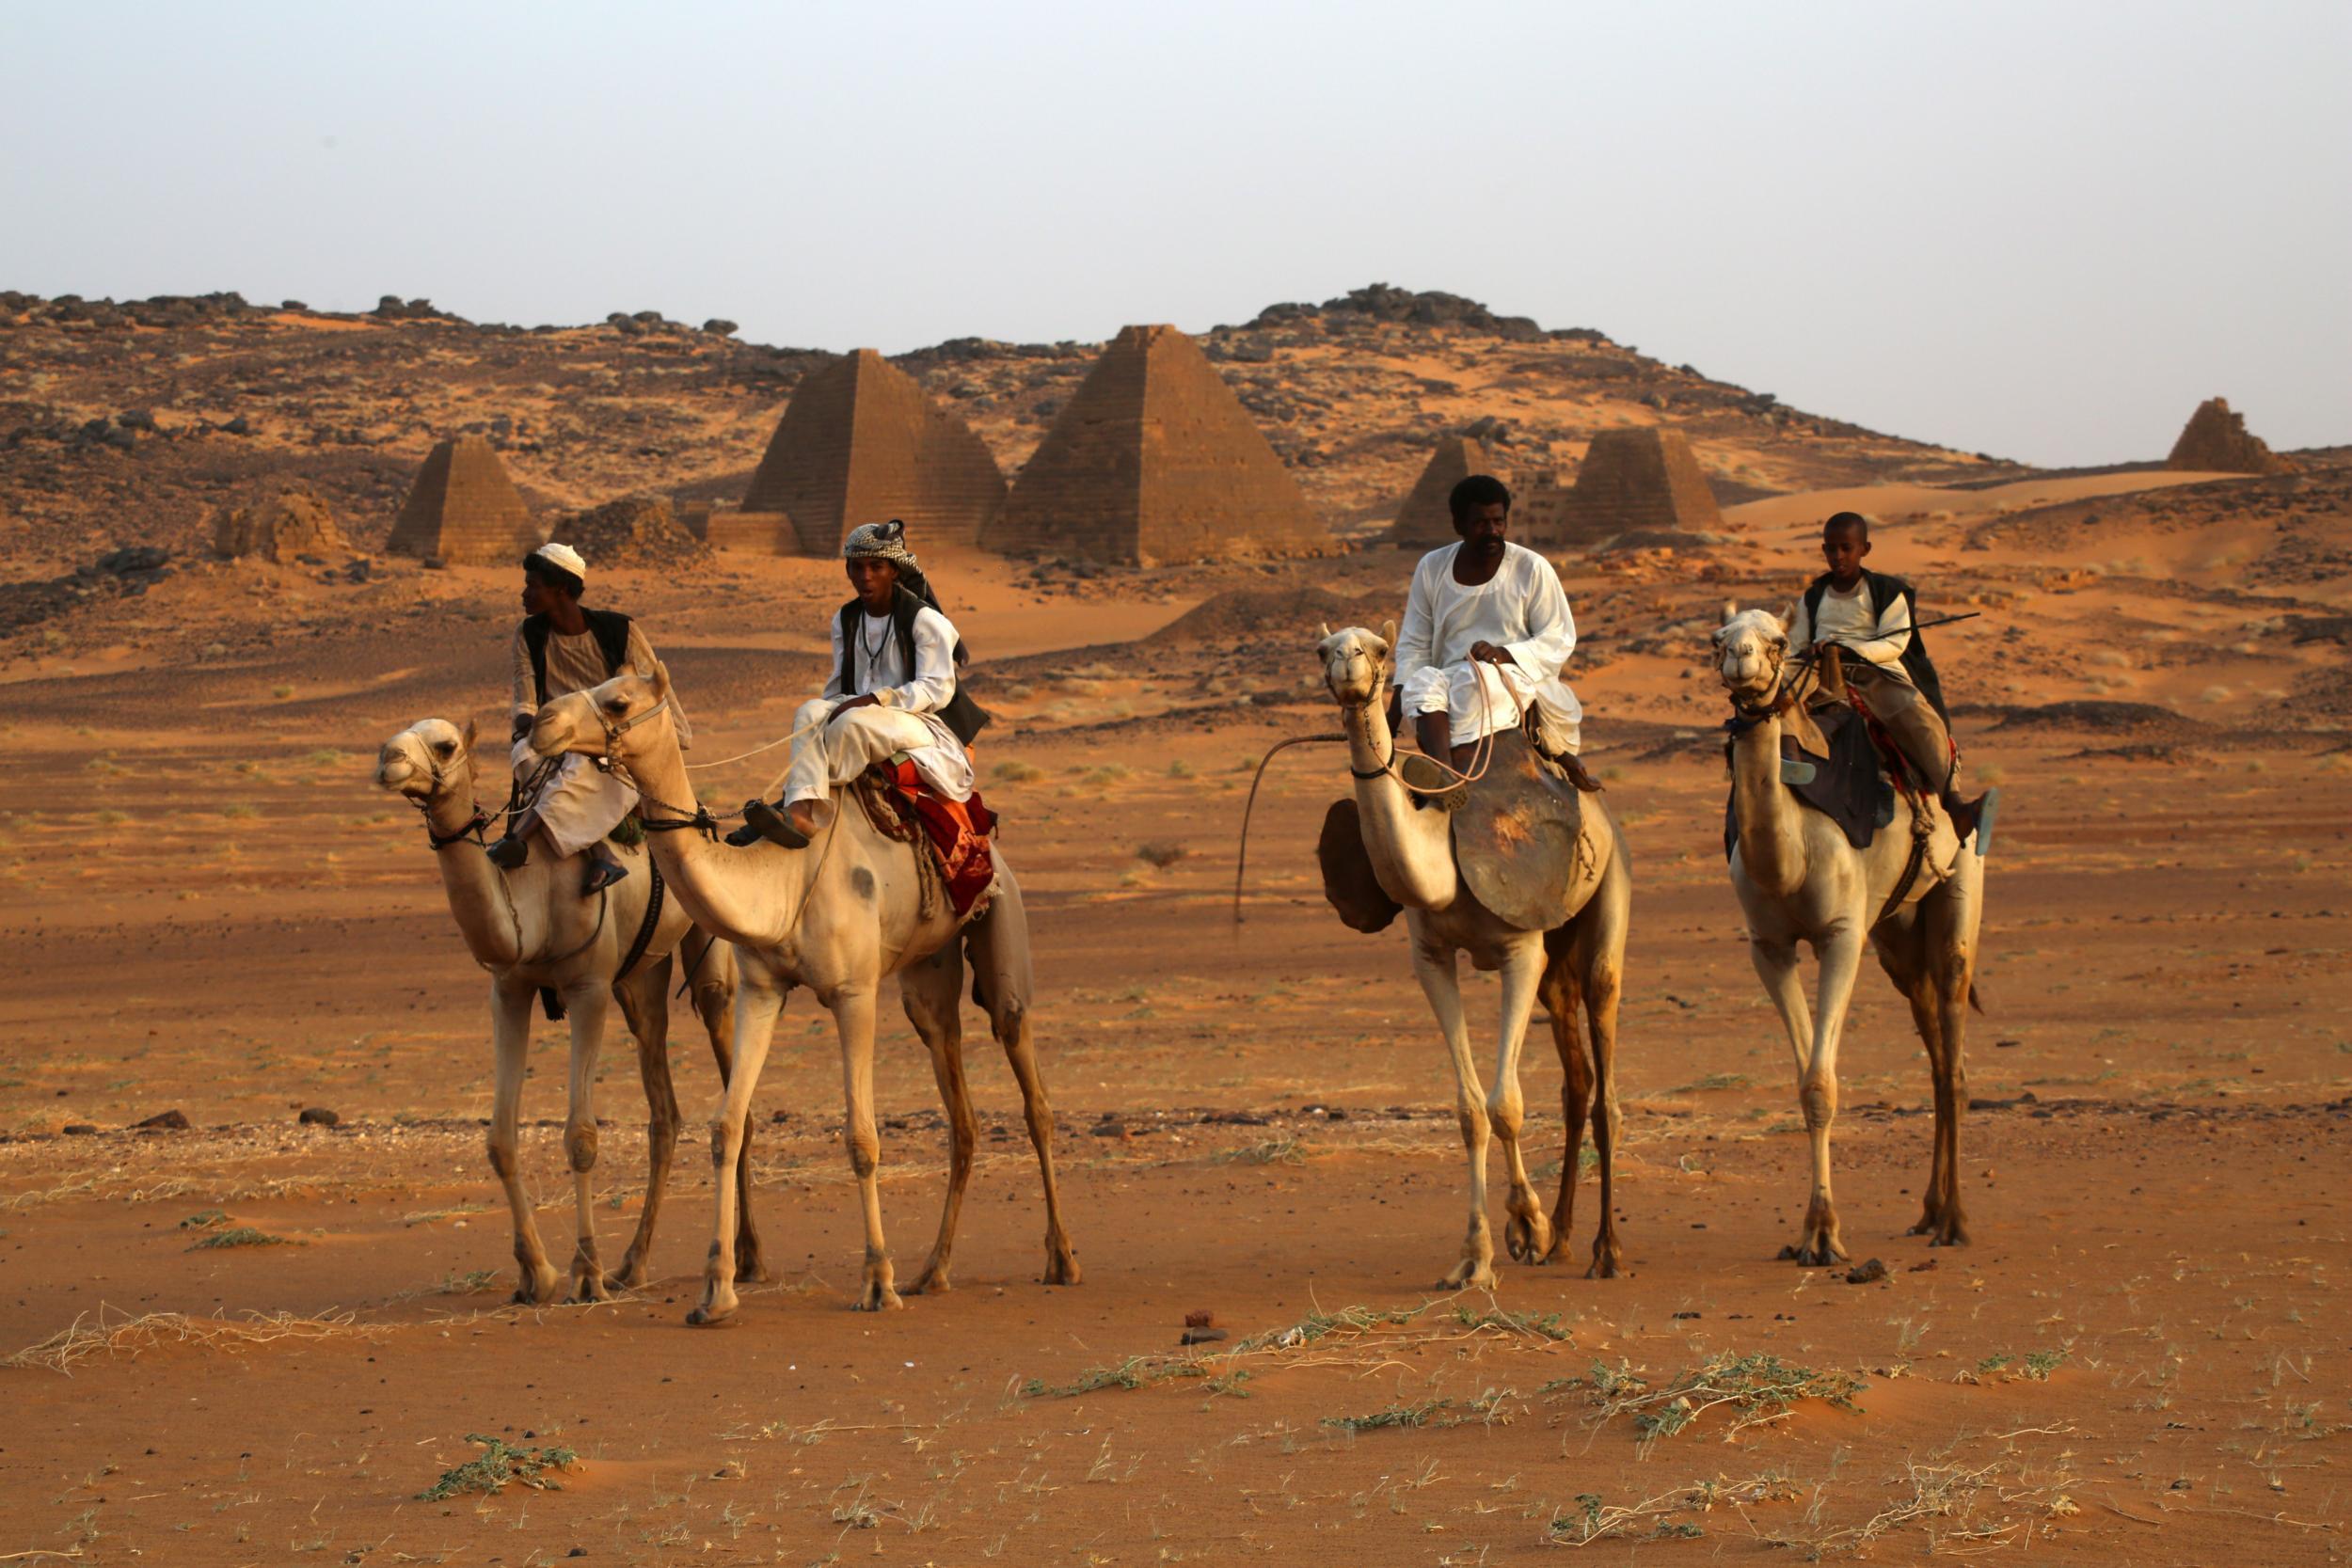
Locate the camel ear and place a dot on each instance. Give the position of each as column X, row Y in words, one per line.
column 659, row 678
column 1323, row 630
column 1788, row 615
column 1731, row 612
column 468, row 738
column 1388, row 631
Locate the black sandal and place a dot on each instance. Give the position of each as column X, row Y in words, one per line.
column 763, row 821
column 511, row 853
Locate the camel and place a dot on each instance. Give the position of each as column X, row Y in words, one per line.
column 835, row 917
column 1578, row 962
column 531, row 929
column 1798, row 879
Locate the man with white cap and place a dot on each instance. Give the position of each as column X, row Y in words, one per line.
column 894, row 689
column 562, row 647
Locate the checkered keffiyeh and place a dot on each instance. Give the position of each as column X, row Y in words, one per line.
column 881, row 542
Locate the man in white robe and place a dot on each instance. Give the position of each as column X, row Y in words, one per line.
column 894, row 689
column 1486, row 633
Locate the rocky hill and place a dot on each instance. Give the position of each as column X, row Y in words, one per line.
column 132, row 423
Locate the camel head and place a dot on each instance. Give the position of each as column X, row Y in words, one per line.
column 1354, row 661
column 427, row 760
column 1749, row 647
column 616, row 718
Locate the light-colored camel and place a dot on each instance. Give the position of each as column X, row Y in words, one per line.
column 835, row 917
column 1578, row 963
column 1799, row 880
column 531, row 928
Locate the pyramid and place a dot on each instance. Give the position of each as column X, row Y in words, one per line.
column 2216, row 441
column 1425, row 521
column 294, row 522
column 1154, row 460
column 463, row 507
column 1633, row 481
column 862, row 442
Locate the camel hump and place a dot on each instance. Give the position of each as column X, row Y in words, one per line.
column 1348, row 880
column 1514, row 838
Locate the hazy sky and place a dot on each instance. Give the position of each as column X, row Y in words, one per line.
column 2043, row 231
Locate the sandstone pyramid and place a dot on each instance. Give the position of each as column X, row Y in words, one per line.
column 1154, row 460
column 862, row 442
column 276, row 527
column 1425, row 521
column 1632, row 480
column 2216, row 441
column 463, row 507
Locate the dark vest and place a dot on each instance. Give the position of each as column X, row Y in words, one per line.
column 1915, row 662
column 963, row 717
column 609, row 626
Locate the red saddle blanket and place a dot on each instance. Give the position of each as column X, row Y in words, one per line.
column 957, row 830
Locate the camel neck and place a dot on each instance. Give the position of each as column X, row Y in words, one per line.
column 476, row 900
column 1412, row 850
column 1772, row 843
column 735, row 895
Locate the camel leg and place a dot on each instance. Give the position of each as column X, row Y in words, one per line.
column 1775, row 961
column 999, row 946
column 1439, row 983
column 853, row 1020
column 1952, row 915
column 1897, row 941
column 510, row 1031
column 1561, row 1000
column 644, row 998
column 587, row 1005
column 1526, row 1231
column 714, row 1004
column 755, row 1011
column 1840, row 953
column 932, row 991
column 1599, row 949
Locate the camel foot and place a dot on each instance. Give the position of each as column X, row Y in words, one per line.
column 1924, row 1225
column 1061, row 1262
column 539, row 1288
column 879, row 1297
column 1816, row 1251
column 631, row 1274
column 1951, row 1231
column 1528, row 1238
column 1470, row 1275
column 750, row 1268
column 931, row 1281
column 1607, row 1260
column 590, row 1288
column 717, row 1306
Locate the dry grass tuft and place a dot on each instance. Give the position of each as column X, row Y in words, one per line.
column 123, row 1335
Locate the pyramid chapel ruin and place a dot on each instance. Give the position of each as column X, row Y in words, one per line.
column 1153, row 461
column 1425, row 521
column 463, row 507
column 1639, row 480
column 862, row 442
column 2217, row 441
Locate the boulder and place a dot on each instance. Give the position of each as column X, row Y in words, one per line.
column 293, row 522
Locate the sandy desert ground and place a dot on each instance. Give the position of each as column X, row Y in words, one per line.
column 2143, row 1355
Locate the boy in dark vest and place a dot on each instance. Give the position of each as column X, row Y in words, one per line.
column 563, row 647
column 894, row 689
column 1869, row 615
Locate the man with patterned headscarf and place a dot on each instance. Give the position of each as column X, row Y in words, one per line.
column 559, row 647
column 894, row 689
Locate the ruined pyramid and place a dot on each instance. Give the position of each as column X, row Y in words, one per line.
column 2216, row 441
column 1632, row 480
column 1425, row 521
column 1154, row 460
column 463, row 507
column 862, row 442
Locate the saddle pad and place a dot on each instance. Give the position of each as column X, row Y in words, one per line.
column 1514, row 837
column 1846, row 780
column 955, row 830
column 1348, row 880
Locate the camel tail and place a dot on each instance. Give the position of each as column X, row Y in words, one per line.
column 1241, row 859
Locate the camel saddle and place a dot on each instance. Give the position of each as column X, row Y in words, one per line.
column 1516, row 836
column 903, row 806
column 1837, row 762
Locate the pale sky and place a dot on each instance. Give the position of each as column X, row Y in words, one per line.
column 2042, row 230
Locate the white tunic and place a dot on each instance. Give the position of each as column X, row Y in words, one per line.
column 906, row 718
column 1521, row 610
column 1879, row 634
